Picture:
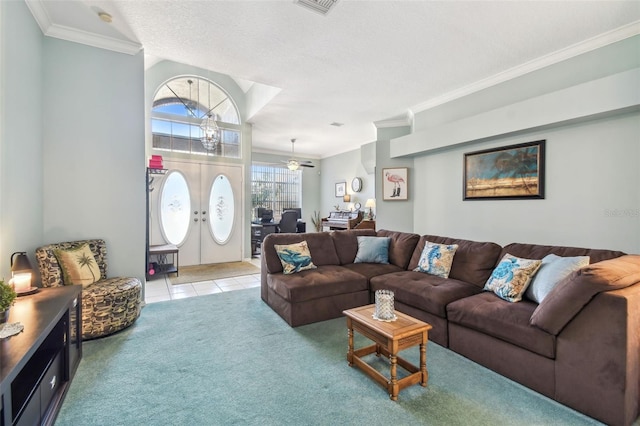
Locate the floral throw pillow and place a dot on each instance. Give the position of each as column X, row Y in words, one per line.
column 78, row 265
column 294, row 257
column 436, row 259
column 509, row 280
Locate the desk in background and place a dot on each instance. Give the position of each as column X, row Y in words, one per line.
column 259, row 230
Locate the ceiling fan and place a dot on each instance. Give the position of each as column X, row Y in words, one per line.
column 292, row 163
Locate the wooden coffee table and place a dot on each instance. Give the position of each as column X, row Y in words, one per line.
column 390, row 338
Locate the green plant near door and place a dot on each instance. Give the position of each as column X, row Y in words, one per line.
column 316, row 220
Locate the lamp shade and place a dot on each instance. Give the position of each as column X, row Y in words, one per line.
column 20, row 262
column 370, row 203
column 346, row 198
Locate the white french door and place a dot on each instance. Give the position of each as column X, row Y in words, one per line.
column 198, row 207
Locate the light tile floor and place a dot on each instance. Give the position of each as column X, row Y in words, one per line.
column 161, row 289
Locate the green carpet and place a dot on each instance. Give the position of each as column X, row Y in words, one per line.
column 228, row 359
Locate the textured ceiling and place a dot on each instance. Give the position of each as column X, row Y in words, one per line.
column 362, row 63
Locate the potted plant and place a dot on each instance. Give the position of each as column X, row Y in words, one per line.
column 316, row 220
column 7, row 297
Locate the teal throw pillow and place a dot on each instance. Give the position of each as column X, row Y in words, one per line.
column 509, row 280
column 294, row 257
column 373, row 250
column 553, row 270
column 436, row 259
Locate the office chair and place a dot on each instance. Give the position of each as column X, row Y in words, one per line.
column 289, row 221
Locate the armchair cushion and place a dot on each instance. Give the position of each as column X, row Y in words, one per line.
column 78, row 265
column 108, row 305
column 49, row 266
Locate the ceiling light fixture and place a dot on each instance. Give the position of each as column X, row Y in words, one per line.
column 293, row 164
column 211, row 137
column 105, row 17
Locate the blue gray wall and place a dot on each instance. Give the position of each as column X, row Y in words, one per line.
column 71, row 157
column 21, row 134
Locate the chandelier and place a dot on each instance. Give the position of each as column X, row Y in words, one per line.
column 211, row 131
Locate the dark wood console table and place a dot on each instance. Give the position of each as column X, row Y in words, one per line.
column 38, row 364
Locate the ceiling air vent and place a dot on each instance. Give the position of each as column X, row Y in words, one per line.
column 320, row 6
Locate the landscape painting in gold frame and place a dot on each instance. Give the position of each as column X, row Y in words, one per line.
column 510, row 172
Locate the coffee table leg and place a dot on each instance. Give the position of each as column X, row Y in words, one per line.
column 423, row 361
column 350, row 350
column 393, row 383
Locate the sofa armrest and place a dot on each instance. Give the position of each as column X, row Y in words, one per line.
column 598, row 358
column 575, row 291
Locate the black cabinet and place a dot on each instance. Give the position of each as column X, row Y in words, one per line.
column 38, row 364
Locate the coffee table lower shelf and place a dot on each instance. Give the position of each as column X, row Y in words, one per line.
column 416, row 376
column 390, row 338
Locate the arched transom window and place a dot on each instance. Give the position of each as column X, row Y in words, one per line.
column 193, row 115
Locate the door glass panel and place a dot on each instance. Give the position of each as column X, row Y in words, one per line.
column 221, row 206
column 175, row 208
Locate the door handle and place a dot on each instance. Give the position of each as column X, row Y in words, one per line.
column 195, row 212
column 204, row 212
column 204, row 219
column 195, row 219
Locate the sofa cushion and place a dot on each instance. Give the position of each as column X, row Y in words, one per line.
column 509, row 280
column 426, row 292
column 372, row 250
column 535, row 251
column 575, row 291
column 401, row 246
column 346, row 243
column 324, row 281
column 371, row 270
column 553, row 270
column 489, row 314
column 436, row 259
column 294, row 257
column 320, row 244
column 473, row 262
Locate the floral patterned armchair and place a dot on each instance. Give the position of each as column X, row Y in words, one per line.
column 109, row 304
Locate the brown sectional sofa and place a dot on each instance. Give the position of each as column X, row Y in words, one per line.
column 580, row 346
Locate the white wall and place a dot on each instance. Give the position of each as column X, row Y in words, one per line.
column 592, row 193
column 20, row 134
column 94, row 161
column 343, row 168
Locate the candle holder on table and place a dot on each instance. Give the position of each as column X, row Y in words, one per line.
column 384, row 306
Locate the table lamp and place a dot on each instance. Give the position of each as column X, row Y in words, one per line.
column 21, row 272
column 370, row 204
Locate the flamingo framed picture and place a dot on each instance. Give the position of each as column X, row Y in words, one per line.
column 395, row 184
column 509, row 172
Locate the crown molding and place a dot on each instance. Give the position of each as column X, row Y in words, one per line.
column 406, row 120
column 624, row 32
column 94, row 40
column 50, row 29
column 287, row 154
column 40, row 14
